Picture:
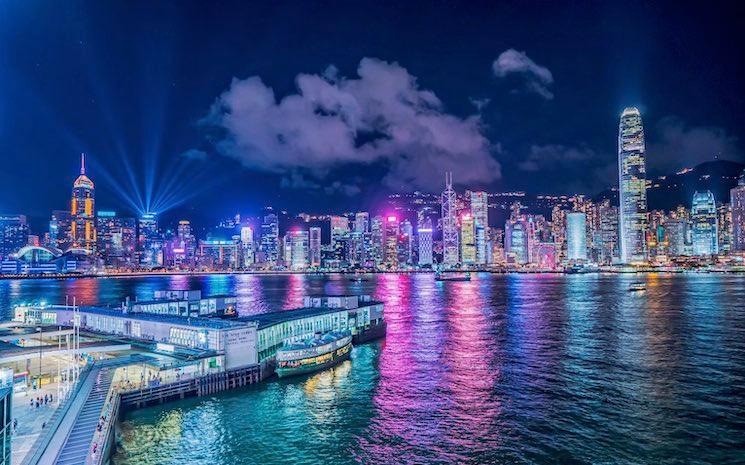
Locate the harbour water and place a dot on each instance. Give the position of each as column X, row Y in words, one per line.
column 501, row 369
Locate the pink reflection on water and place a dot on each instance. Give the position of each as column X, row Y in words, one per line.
column 295, row 291
column 471, row 376
column 434, row 394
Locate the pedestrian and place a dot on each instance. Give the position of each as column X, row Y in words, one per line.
column 37, row 404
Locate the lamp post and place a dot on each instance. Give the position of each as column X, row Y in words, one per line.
column 40, row 349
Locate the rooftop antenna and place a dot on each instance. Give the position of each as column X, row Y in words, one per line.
column 82, row 163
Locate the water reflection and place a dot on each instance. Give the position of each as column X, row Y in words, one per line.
column 501, row 369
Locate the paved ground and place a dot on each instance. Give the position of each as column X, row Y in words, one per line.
column 30, row 419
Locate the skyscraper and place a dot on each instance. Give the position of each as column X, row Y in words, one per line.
column 315, row 246
column 449, row 224
column 467, row 239
column 576, row 236
column 83, row 227
column 391, row 243
column 632, row 190
column 116, row 239
column 247, row 246
column 480, row 212
column 13, row 234
column 270, row 238
column 424, row 235
column 296, row 247
column 737, row 200
column 704, row 218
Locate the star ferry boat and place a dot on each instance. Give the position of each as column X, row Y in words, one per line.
column 314, row 354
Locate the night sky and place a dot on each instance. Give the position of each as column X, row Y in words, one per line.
column 203, row 109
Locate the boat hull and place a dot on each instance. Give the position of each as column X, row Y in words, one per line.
column 337, row 356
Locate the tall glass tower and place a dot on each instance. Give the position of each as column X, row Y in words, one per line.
column 632, row 190
column 704, row 218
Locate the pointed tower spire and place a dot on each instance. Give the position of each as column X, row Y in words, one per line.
column 82, row 163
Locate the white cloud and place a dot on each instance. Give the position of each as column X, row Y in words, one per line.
column 537, row 78
column 380, row 116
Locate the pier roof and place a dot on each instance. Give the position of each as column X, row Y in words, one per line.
column 273, row 318
column 210, row 323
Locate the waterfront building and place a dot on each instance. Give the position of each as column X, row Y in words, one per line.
column 13, row 234
column 480, row 213
column 558, row 231
column 675, row 233
column 296, row 249
column 377, row 235
column 339, row 227
column 449, row 224
column 516, row 241
column 314, row 247
column 149, row 243
column 424, row 235
column 219, row 254
column 34, row 260
column 632, row 189
column 391, row 243
column 576, row 237
column 704, row 219
column 270, row 239
column 544, row 255
column 82, row 211
column 608, row 215
column 247, row 246
column 116, row 239
column 406, row 243
column 724, row 228
column 185, row 245
column 60, row 229
column 467, row 239
column 737, row 201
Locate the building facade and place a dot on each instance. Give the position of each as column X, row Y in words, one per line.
column 632, row 189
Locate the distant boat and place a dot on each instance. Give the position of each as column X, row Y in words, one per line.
column 317, row 353
column 452, row 276
column 637, row 287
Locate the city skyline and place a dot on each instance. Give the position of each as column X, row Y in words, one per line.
column 522, row 111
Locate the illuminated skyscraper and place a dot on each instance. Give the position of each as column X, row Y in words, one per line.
column 339, row 227
column 296, row 250
column 83, row 226
column 704, row 218
column 149, row 244
column 480, row 213
column 632, row 190
column 576, row 236
column 247, row 246
column 116, row 239
column 391, row 243
column 315, row 246
column 270, row 238
column 13, row 234
column 737, row 200
column 424, row 234
column 377, row 239
column 467, row 239
column 449, row 224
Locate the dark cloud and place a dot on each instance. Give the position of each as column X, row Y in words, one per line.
column 554, row 155
column 537, row 78
column 381, row 116
column 675, row 145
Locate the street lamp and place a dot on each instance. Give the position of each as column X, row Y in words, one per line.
column 40, row 349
